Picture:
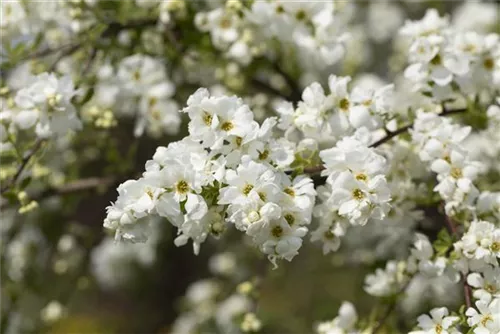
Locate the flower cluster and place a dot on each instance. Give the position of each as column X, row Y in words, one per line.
column 45, row 106
column 59, row 20
column 229, row 170
column 439, row 322
column 139, row 87
column 312, row 29
column 356, row 189
column 439, row 143
column 339, row 113
column 444, row 60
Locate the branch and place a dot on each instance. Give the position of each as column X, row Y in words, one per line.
column 386, row 138
column 23, row 165
column 399, row 131
column 73, row 187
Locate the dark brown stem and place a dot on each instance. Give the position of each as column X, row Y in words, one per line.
column 23, row 165
column 386, row 138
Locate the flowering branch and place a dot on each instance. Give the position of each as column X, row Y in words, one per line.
column 387, row 137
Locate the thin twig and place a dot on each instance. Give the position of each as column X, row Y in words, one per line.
column 23, row 165
column 73, row 187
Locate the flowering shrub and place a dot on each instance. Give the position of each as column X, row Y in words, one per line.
column 277, row 126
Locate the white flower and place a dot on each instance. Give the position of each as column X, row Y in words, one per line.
column 345, row 322
column 486, row 284
column 480, row 242
column 250, row 182
column 138, row 73
column 429, row 25
column 215, row 119
column 486, row 319
column 47, row 103
column 438, row 323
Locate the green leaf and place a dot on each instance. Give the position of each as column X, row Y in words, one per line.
column 25, row 183
column 443, row 243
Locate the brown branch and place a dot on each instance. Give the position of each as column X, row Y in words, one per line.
column 73, row 187
column 386, row 138
column 23, row 165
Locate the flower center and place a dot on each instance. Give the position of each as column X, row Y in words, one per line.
column 227, row 126
column 485, row 319
column 329, row 235
column 358, row 194
column 495, row 247
column 289, row 191
column 247, row 189
column 152, row 101
column 361, row 177
column 301, row 15
column 225, row 23
column 439, row 329
column 182, row 187
column 456, row 173
column 136, row 75
column 490, row 288
column 262, row 196
column 344, row 104
column 54, row 99
column 277, row 231
column 207, row 118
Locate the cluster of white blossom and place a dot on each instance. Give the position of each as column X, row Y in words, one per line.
column 339, row 113
column 445, row 61
column 228, row 170
column 44, row 106
column 313, row 29
column 439, row 322
column 423, row 275
column 138, row 88
column 439, row 142
column 113, row 264
column 356, row 189
column 58, row 20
